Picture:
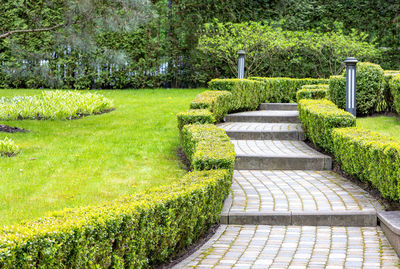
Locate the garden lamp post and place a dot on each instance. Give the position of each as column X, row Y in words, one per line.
column 351, row 85
column 241, row 54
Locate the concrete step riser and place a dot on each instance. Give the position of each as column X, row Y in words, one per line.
column 352, row 219
column 285, row 135
column 272, row 106
column 282, row 163
column 264, row 119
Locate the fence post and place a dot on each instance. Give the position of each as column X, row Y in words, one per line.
column 351, row 63
column 241, row 54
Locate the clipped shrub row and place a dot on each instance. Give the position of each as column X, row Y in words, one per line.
column 394, row 86
column 53, row 105
column 319, row 118
column 283, row 90
column 191, row 116
column 8, row 147
column 218, row 102
column 370, row 157
column 137, row 231
column 318, row 91
column 208, row 147
column 246, row 94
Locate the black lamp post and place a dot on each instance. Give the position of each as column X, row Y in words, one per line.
column 351, row 63
column 241, row 54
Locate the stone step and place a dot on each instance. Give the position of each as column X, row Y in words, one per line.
column 266, row 116
column 263, row 131
column 277, row 106
column 278, row 155
column 290, row 197
column 265, row 246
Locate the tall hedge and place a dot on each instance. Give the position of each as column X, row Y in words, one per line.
column 394, row 86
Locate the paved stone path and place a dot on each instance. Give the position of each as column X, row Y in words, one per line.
column 286, row 208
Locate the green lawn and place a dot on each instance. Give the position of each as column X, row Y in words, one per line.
column 389, row 126
column 93, row 159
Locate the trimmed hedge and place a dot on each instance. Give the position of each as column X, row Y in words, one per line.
column 394, row 86
column 371, row 157
column 208, row 147
column 283, row 90
column 218, row 102
column 137, row 231
column 246, row 94
column 369, row 88
column 191, row 116
column 318, row 91
column 319, row 117
column 388, row 104
column 8, row 147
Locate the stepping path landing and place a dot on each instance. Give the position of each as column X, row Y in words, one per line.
column 287, row 209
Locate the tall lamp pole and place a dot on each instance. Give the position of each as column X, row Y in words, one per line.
column 351, row 63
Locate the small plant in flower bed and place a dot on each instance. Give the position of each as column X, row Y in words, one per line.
column 8, row 147
column 60, row 105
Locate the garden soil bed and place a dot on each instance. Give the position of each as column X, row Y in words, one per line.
column 9, row 129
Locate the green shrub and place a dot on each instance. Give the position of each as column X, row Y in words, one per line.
column 138, row 231
column 202, row 116
column 318, row 91
column 369, row 89
column 218, row 102
column 370, row 157
column 208, row 147
column 8, row 147
column 319, row 117
column 54, row 105
column 394, row 85
column 283, row 90
column 246, row 94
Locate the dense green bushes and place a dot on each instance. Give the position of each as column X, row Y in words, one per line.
column 138, row 231
column 318, row 91
column 54, row 105
column 319, row 118
column 371, row 157
column 283, row 90
column 8, row 147
column 394, row 86
column 369, row 88
column 207, row 147
column 202, row 116
column 218, row 102
column 246, row 94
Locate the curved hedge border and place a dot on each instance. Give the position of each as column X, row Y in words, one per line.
column 191, row 116
column 318, row 91
column 394, row 86
column 218, row 102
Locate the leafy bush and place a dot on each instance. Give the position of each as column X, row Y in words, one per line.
column 388, row 104
column 371, row 157
column 319, row 118
column 191, row 116
column 318, row 91
column 53, row 105
column 369, row 88
column 283, row 90
column 246, row 94
column 394, row 85
column 8, row 147
column 137, row 231
column 208, row 147
column 218, row 102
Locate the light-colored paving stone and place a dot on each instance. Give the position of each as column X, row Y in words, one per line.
column 297, row 191
column 262, row 246
column 275, row 113
column 265, row 116
column 260, row 126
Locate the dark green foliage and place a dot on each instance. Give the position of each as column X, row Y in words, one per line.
column 394, row 85
column 246, row 94
column 218, row 102
column 319, row 118
column 191, row 116
column 369, row 89
column 207, row 147
column 137, row 231
column 371, row 157
column 388, row 104
column 318, row 91
column 283, row 90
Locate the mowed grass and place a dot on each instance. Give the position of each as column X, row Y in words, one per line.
column 72, row 163
column 389, row 126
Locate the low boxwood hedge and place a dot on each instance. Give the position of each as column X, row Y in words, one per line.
column 246, row 94
column 318, row 91
column 319, row 117
column 370, row 157
column 394, row 86
column 283, row 90
column 208, row 147
column 191, row 116
column 138, row 231
column 218, row 102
